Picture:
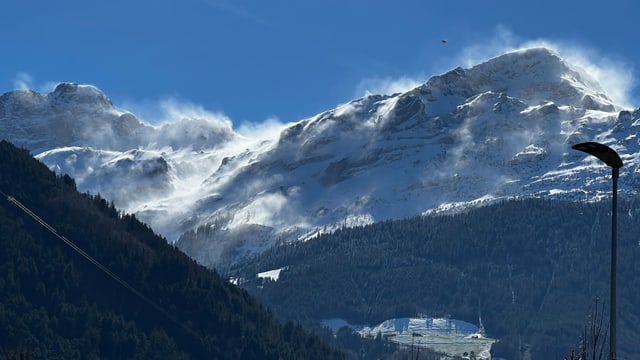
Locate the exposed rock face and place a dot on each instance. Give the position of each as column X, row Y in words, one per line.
column 498, row 130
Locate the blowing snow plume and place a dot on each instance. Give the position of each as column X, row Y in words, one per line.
column 499, row 129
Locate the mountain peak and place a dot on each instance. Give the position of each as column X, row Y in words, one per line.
column 535, row 75
column 497, row 130
column 71, row 115
column 73, row 93
column 529, row 57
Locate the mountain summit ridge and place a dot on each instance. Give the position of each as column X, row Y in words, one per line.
column 501, row 129
column 533, row 75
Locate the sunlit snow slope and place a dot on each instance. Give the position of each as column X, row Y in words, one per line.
column 498, row 130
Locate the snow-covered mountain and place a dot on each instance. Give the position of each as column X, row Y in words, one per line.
column 498, row 130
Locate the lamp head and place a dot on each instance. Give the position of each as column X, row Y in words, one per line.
column 601, row 151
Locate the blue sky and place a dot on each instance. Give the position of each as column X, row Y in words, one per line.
column 254, row 60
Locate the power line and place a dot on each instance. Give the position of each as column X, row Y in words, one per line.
column 95, row 262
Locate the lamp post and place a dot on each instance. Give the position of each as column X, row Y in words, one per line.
column 612, row 159
column 413, row 336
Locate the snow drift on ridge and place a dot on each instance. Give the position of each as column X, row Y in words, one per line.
column 498, row 130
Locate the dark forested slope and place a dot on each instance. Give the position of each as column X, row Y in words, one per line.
column 532, row 269
column 56, row 304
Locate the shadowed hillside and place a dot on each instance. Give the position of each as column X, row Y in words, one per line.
column 55, row 303
column 532, row 269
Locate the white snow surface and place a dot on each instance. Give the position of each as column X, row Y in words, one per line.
column 448, row 336
column 271, row 274
column 502, row 129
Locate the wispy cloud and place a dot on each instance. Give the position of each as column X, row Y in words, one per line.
column 386, row 85
column 234, row 9
column 22, row 81
column 174, row 109
column 171, row 109
column 615, row 75
column 26, row 81
column 268, row 129
column 502, row 41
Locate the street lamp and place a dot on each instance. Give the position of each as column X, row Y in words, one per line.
column 612, row 159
